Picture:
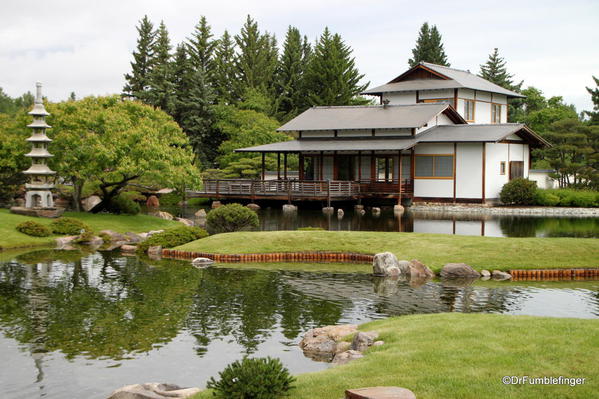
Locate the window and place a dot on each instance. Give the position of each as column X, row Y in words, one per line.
column 384, row 168
column 438, row 100
column 434, row 167
column 469, row 110
column 495, row 113
column 502, row 168
column 516, row 169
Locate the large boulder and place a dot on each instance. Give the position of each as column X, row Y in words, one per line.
column 162, row 215
column 363, row 340
column 419, row 270
column 386, row 264
column 153, row 390
column 201, row 214
column 458, row 270
column 347, row 356
column 153, row 202
column 64, row 242
column 88, row 203
column 379, row 393
column 186, row 222
column 202, row 262
column 114, row 236
column 253, row 206
column 324, row 339
column 499, row 275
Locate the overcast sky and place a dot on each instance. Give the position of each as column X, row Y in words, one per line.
column 85, row 46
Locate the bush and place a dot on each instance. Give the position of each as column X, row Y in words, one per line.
column 546, row 198
column 68, row 226
column 124, row 204
column 518, row 192
column 263, row 378
column 232, row 217
column 172, row 238
column 133, row 196
column 84, row 237
column 170, row 199
column 33, row 228
column 567, row 197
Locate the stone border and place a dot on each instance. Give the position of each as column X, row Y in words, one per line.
column 312, row 256
column 505, row 210
column 555, row 274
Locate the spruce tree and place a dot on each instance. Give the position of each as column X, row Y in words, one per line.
column 495, row 70
column 137, row 81
column 160, row 87
column 331, row 76
column 594, row 115
column 223, row 76
column 291, row 98
column 201, row 47
column 429, row 47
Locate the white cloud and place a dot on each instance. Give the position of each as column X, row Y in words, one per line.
column 86, row 46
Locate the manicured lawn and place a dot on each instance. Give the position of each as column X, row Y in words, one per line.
column 11, row 238
column 434, row 250
column 465, row 356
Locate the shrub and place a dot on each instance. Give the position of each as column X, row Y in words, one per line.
column 546, row 198
column 518, row 192
column 68, row 226
column 84, row 237
column 170, row 199
column 105, row 237
column 124, row 204
column 172, row 238
column 231, row 217
column 33, row 228
column 263, row 378
column 133, row 196
column 569, row 197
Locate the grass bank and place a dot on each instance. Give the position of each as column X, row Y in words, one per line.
column 434, row 250
column 11, row 238
column 465, row 356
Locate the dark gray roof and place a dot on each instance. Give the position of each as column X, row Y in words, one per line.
column 337, row 144
column 475, row 133
column 457, row 79
column 364, row 117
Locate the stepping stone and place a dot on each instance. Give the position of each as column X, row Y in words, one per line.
column 379, row 393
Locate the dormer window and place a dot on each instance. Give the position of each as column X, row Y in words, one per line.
column 495, row 113
column 469, row 110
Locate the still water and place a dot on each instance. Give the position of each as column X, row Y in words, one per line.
column 431, row 222
column 82, row 325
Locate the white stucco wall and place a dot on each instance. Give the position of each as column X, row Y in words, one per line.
column 354, row 133
column 401, row 98
column 543, row 180
column 431, row 94
column 469, row 161
column 437, row 188
column 494, row 180
column 318, row 133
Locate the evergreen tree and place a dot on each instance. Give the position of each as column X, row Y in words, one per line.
column 224, row 69
column 291, row 98
column 181, row 80
column 331, row 76
column 495, row 70
column 138, row 81
column 429, row 47
column 160, row 87
column 256, row 61
column 201, row 47
column 594, row 115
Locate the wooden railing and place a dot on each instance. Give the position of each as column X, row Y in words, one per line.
column 277, row 188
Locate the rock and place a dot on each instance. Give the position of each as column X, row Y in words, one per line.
column 342, row 346
column 155, row 250
column 153, row 202
column 340, row 213
column 88, row 203
column 347, row 356
column 398, row 209
column 202, row 262
column 153, row 390
column 378, row 343
column 132, row 238
column 289, row 208
column 152, row 232
column 201, row 214
column 62, row 242
column 253, row 207
column 361, row 212
column 143, row 236
column 186, row 222
column 363, row 340
column 93, row 241
column 376, row 211
column 216, row 204
column 385, row 264
column 128, row 248
column 38, row 212
column 379, row 393
column 458, row 270
column 61, row 202
column 499, row 275
column 324, row 339
column 162, row 215
column 419, row 270
column 114, row 236
column 328, row 210
column 358, row 207
column 485, row 273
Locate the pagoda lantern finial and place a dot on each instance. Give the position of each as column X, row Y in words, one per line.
column 41, row 177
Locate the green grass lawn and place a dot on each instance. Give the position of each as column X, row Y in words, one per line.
column 434, row 250
column 11, row 238
column 465, row 356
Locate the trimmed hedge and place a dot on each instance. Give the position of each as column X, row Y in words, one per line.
column 33, row 228
column 70, row 226
column 518, row 192
column 172, row 238
column 230, row 218
column 567, row 197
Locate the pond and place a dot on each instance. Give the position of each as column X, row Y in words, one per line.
column 82, row 325
column 430, row 222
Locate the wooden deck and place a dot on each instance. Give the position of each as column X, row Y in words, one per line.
column 300, row 190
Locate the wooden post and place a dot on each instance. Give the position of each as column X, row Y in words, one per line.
column 360, row 166
column 373, row 171
column 301, row 166
column 399, row 169
column 386, row 169
column 484, row 171
column 278, row 166
column 335, row 166
column 285, row 166
column 263, row 166
column 455, row 177
column 288, row 191
column 328, row 193
column 217, row 194
column 321, row 166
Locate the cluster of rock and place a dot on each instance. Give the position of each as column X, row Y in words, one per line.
column 386, row 264
column 153, row 390
column 109, row 240
column 328, row 344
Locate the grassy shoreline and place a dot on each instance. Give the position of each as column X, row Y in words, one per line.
column 454, row 355
column 434, row 250
column 10, row 238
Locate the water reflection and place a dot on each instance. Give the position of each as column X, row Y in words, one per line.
column 79, row 316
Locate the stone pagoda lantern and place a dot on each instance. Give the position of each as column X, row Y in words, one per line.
column 38, row 197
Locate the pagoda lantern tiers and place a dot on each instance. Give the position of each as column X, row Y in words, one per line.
column 41, row 177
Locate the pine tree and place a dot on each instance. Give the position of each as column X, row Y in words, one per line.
column 256, row 61
column 181, row 72
column 331, row 76
column 138, row 81
column 291, row 98
column 494, row 70
column 224, row 69
column 594, row 115
column 429, row 47
column 160, row 87
column 201, row 47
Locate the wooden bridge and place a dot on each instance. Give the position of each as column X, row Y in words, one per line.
column 301, row 190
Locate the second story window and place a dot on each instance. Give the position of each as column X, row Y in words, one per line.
column 469, row 110
column 438, row 100
column 495, row 113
